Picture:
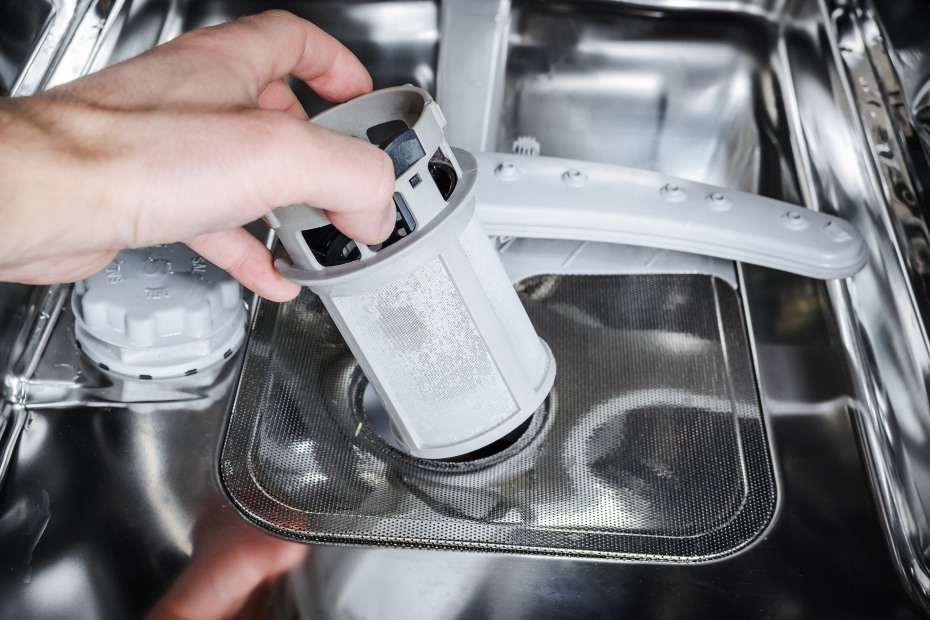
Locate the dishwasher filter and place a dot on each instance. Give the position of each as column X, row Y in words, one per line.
column 429, row 314
column 651, row 445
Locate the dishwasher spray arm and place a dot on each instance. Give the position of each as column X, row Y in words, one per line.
column 546, row 197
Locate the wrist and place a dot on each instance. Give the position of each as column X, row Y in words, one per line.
column 59, row 203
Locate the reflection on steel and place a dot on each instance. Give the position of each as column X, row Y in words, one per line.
column 89, row 43
column 19, row 368
column 26, row 25
column 523, row 258
column 602, row 82
column 77, row 32
column 890, row 350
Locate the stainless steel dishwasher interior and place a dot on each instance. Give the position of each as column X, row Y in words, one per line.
column 689, row 94
column 276, row 468
column 760, row 96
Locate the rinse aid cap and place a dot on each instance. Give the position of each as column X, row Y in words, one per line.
column 158, row 312
column 430, row 314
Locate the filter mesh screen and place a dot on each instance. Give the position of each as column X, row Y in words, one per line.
column 419, row 338
column 652, row 445
column 497, row 288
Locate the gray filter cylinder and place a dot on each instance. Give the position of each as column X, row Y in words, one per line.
column 430, row 314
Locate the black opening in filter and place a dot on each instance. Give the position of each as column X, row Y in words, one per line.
column 443, row 173
column 330, row 247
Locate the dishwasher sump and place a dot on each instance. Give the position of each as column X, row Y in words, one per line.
column 650, row 447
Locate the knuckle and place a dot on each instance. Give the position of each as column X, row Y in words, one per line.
column 201, row 37
column 268, row 130
column 276, row 15
column 269, row 139
column 375, row 183
column 267, row 120
column 208, row 43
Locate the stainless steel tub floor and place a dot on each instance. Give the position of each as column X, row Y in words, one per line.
column 112, row 505
column 652, row 445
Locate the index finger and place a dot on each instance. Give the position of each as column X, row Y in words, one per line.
column 276, row 44
column 228, row 66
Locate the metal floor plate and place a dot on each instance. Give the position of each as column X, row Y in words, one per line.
column 651, row 446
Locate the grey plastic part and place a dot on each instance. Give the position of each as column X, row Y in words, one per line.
column 472, row 59
column 412, row 105
column 159, row 312
column 545, row 197
column 417, row 109
column 288, row 223
column 433, row 319
column 379, row 268
column 404, row 150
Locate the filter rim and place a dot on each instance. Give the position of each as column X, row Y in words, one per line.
column 392, row 262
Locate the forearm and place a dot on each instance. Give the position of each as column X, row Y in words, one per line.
column 51, row 202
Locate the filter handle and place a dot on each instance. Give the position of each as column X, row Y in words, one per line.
column 553, row 198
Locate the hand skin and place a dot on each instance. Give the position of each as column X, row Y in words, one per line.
column 187, row 142
column 230, row 576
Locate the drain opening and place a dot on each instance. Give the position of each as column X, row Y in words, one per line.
column 374, row 413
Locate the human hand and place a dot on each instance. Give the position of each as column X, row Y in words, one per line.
column 187, row 142
column 231, row 574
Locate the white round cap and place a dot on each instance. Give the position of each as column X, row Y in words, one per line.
column 159, row 312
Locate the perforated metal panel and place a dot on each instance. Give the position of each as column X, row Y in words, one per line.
column 651, row 446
